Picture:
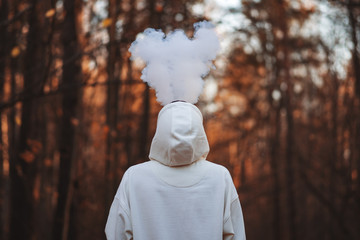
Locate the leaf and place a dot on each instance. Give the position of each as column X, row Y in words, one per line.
column 75, row 121
column 15, row 51
column 34, row 145
column 27, row 156
column 106, row 22
column 159, row 7
column 106, row 129
column 48, row 162
column 18, row 120
column 50, row 13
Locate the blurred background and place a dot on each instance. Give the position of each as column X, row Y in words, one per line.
column 281, row 110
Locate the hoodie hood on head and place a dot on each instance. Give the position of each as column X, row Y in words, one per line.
column 180, row 137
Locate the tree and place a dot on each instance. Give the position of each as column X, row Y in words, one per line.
column 23, row 162
column 71, row 74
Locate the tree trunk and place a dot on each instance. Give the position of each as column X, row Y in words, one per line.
column 71, row 75
column 23, row 162
column 289, row 155
column 275, row 138
column 3, row 56
column 356, row 69
column 155, row 21
column 355, row 54
column 12, row 129
column 334, row 143
column 113, row 66
column 144, row 132
column 274, row 158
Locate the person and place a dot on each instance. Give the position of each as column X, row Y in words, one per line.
column 178, row 194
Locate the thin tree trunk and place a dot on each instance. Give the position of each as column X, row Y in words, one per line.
column 333, row 159
column 112, row 104
column 44, row 207
column 12, row 129
column 289, row 166
column 275, row 135
column 155, row 22
column 71, row 75
column 127, row 138
column 145, row 124
column 355, row 54
column 3, row 56
column 274, row 158
column 2, row 178
column 144, row 127
column 23, row 163
column 356, row 69
column 289, row 155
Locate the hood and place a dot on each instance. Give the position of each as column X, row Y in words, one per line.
column 180, row 137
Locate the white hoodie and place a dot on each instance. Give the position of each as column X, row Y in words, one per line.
column 177, row 195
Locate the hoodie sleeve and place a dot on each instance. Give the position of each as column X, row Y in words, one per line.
column 118, row 225
column 233, row 228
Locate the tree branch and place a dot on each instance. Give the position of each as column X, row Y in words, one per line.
column 333, row 211
column 16, row 17
column 25, row 97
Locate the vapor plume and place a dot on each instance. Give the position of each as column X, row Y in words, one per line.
column 175, row 64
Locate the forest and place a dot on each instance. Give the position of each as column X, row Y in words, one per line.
column 281, row 111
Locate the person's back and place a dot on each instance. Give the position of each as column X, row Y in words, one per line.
column 177, row 194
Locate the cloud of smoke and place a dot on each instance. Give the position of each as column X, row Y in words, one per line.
column 175, row 64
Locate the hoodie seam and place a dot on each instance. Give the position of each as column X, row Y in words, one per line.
column 231, row 203
column 121, row 204
column 187, row 186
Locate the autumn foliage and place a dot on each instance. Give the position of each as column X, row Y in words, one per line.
column 281, row 112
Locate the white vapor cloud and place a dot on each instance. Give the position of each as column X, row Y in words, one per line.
column 175, row 64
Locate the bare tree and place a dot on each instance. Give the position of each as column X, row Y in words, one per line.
column 71, row 73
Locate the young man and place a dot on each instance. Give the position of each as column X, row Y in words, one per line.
column 178, row 194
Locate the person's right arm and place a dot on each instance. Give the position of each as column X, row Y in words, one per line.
column 234, row 226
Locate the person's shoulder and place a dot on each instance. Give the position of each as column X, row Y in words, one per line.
column 217, row 167
column 224, row 176
column 138, row 166
column 137, row 169
column 219, row 171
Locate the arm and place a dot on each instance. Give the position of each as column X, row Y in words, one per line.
column 234, row 226
column 118, row 225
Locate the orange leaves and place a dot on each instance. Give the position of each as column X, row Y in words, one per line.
column 106, row 129
column 48, row 162
column 159, row 7
column 34, row 145
column 75, row 122
column 50, row 13
column 18, row 120
column 28, row 156
column 15, row 51
column 106, row 22
column 34, row 148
